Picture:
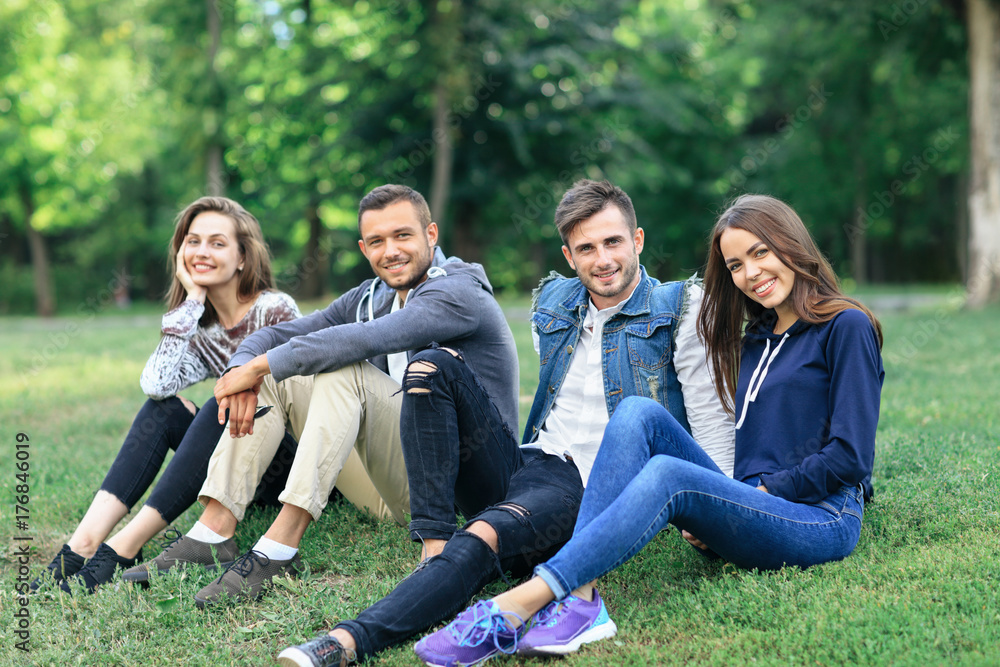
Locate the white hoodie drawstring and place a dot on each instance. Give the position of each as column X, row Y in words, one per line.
column 755, row 383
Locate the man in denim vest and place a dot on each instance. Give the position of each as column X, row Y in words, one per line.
column 609, row 333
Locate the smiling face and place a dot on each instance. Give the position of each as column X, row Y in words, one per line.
column 211, row 250
column 605, row 255
column 758, row 273
column 397, row 246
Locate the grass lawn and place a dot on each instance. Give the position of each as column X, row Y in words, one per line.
column 920, row 589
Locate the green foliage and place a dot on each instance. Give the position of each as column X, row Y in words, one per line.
column 109, row 111
column 918, row 590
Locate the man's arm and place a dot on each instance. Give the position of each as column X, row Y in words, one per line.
column 268, row 338
column 711, row 426
column 237, row 389
column 438, row 310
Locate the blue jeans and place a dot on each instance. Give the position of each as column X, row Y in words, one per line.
column 649, row 473
column 459, row 453
column 161, row 426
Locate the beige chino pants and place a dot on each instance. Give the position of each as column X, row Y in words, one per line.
column 347, row 426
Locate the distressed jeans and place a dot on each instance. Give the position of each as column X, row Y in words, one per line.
column 460, row 454
column 649, row 473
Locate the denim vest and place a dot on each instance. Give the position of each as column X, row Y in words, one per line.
column 638, row 344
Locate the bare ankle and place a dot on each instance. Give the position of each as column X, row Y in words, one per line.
column 432, row 548
column 83, row 545
column 346, row 640
column 219, row 519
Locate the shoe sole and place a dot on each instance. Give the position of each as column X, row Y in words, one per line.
column 294, row 657
column 596, row 633
column 143, row 578
column 444, row 661
column 201, row 603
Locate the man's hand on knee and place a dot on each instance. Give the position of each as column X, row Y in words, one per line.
column 242, row 378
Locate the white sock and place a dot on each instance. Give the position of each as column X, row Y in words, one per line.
column 203, row 533
column 275, row 550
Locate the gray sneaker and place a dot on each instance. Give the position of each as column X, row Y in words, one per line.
column 323, row 651
column 246, row 578
column 182, row 550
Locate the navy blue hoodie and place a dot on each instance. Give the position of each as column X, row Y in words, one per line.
column 807, row 404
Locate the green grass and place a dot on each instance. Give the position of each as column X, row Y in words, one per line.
column 920, row 589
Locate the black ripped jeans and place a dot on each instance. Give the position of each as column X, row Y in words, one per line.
column 460, row 454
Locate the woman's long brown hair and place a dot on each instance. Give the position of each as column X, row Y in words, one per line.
column 256, row 274
column 816, row 295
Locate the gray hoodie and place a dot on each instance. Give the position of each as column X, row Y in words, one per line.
column 454, row 307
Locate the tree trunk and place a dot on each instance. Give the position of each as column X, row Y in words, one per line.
column 315, row 265
column 45, row 301
column 983, row 283
column 444, row 38
column 443, row 154
column 215, row 183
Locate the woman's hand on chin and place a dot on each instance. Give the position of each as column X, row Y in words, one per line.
column 194, row 291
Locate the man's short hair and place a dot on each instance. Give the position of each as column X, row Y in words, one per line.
column 386, row 195
column 587, row 198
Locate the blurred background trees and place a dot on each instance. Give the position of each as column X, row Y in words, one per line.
column 114, row 114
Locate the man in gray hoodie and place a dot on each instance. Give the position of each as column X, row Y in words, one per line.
column 334, row 379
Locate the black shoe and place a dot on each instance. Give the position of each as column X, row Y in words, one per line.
column 101, row 568
column 323, row 651
column 66, row 563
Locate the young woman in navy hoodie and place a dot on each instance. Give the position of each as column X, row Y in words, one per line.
column 798, row 364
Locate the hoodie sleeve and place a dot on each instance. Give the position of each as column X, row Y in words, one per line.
column 438, row 310
column 268, row 338
column 856, row 375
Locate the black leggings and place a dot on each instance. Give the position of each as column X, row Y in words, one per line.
column 168, row 424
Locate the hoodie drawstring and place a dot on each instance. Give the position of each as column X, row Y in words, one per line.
column 755, row 383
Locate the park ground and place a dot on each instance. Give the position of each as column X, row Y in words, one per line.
column 920, row 589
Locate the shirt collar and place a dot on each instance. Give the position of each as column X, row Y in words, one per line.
column 594, row 315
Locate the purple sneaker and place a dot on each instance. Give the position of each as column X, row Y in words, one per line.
column 478, row 633
column 565, row 625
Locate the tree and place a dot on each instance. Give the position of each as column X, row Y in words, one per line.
column 71, row 113
column 984, row 186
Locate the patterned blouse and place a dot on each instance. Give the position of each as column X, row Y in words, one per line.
column 188, row 353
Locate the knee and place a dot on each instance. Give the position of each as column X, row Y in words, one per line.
column 191, row 407
column 638, row 413
column 486, row 533
column 416, row 379
column 637, row 407
column 335, row 380
column 426, row 365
